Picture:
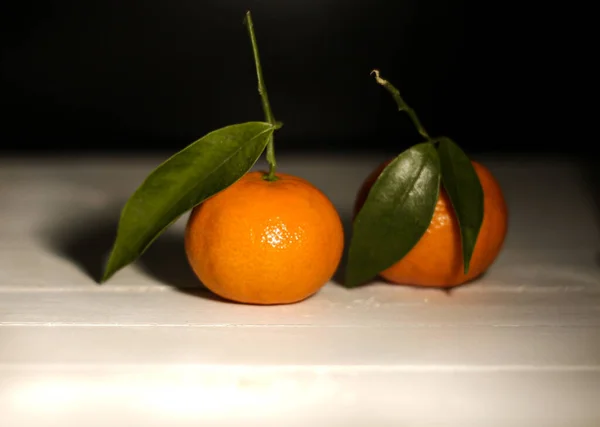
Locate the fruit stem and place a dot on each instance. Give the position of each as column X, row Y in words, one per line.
column 262, row 90
column 402, row 106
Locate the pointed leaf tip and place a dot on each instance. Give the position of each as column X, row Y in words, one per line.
column 199, row 171
column 395, row 215
column 463, row 187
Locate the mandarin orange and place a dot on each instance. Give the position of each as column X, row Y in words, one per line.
column 265, row 242
column 436, row 260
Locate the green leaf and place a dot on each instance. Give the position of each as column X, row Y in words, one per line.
column 396, row 214
column 464, row 190
column 189, row 177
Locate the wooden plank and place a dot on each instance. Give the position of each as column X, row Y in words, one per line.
column 334, row 306
column 410, row 347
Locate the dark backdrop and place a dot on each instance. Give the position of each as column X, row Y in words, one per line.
column 155, row 75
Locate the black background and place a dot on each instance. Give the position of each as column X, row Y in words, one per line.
column 132, row 75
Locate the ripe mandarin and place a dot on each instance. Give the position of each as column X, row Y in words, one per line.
column 265, row 242
column 436, row 260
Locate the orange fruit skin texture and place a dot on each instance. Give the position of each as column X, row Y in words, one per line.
column 436, row 260
column 261, row 242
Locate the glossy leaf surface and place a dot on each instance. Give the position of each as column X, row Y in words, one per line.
column 396, row 213
column 465, row 192
column 199, row 171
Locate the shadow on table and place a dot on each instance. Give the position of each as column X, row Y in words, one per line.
column 86, row 241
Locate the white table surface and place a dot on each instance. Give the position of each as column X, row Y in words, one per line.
column 518, row 347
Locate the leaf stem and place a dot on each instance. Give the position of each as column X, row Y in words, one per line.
column 402, row 106
column 262, row 90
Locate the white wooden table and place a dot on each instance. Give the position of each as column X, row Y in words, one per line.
column 519, row 347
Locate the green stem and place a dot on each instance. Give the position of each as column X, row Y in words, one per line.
column 402, row 106
column 262, row 90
